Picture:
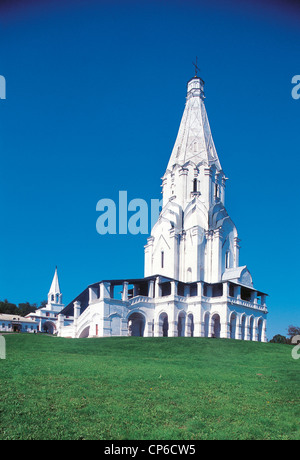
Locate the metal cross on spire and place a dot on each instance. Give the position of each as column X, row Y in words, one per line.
column 196, row 66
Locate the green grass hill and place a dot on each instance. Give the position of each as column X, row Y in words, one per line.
column 147, row 388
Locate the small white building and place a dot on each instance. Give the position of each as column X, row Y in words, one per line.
column 47, row 317
column 193, row 285
column 15, row 323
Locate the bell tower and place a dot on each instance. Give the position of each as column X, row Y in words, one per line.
column 55, row 295
column 194, row 239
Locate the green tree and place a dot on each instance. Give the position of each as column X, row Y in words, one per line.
column 26, row 308
column 8, row 308
column 279, row 339
column 292, row 331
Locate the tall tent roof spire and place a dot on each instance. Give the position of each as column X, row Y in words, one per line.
column 194, row 140
column 55, row 289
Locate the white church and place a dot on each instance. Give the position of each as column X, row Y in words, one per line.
column 193, row 284
column 46, row 318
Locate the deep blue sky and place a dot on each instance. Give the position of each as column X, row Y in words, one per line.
column 95, row 94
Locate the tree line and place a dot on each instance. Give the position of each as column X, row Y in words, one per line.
column 22, row 309
column 292, row 332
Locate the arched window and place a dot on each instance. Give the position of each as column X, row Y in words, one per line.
column 216, row 191
column 195, row 185
column 162, row 259
column 227, row 259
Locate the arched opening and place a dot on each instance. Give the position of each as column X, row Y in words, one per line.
column 206, row 324
column 251, row 324
column 216, row 326
column 233, row 326
column 85, row 333
column 259, row 329
column 243, row 327
column 190, row 325
column 49, row 327
column 163, row 325
column 136, row 325
column 189, row 275
column 181, row 324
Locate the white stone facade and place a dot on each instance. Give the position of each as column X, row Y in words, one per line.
column 47, row 317
column 193, row 283
column 15, row 323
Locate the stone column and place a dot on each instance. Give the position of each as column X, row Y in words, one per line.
column 124, row 327
column 92, row 295
column 236, row 253
column 208, row 256
column 60, row 322
column 157, row 287
column 225, row 291
column 174, row 286
column 209, row 183
column 238, row 328
column 135, row 290
column 183, row 173
column 263, row 300
column 264, row 331
column 148, row 332
column 104, row 290
column 151, row 288
column 198, row 328
column 157, row 328
column 200, row 289
column 125, row 291
column 217, row 255
column 253, row 297
column 237, row 292
column 77, row 307
column 224, row 179
column 210, row 327
column 225, row 330
column 247, row 328
column 173, row 329
column 255, row 331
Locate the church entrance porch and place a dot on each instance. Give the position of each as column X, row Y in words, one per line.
column 16, row 327
column 136, row 325
column 49, row 327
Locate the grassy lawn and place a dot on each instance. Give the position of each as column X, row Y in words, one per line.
column 147, row 388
